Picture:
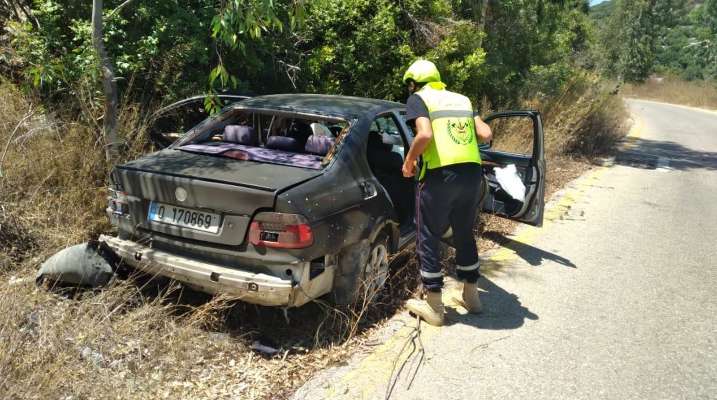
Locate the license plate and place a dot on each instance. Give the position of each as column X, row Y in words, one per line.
column 184, row 217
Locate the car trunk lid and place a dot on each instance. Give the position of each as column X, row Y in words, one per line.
column 233, row 189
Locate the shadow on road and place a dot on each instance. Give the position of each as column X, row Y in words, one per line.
column 502, row 310
column 531, row 254
column 646, row 153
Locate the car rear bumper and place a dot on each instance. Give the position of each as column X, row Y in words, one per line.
column 256, row 288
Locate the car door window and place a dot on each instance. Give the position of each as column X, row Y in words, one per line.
column 387, row 128
column 512, row 135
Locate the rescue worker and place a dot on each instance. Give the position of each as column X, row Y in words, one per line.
column 449, row 174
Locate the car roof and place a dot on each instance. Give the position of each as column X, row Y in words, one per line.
column 329, row 105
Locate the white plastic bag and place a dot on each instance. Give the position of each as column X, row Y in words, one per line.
column 510, row 181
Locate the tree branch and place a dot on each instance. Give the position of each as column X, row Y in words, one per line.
column 119, row 8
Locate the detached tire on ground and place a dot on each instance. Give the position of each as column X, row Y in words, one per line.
column 362, row 271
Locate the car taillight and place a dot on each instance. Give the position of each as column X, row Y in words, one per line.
column 283, row 231
column 118, row 202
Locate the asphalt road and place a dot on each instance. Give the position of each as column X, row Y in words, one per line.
column 613, row 299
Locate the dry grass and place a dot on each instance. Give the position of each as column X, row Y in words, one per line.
column 142, row 337
column 147, row 338
column 672, row 89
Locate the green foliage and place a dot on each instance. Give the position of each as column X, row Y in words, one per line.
column 504, row 51
column 688, row 46
column 239, row 26
column 629, row 39
column 600, row 13
column 532, row 47
column 353, row 47
column 672, row 36
column 159, row 46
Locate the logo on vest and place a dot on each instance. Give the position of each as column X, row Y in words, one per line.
column 459, row 132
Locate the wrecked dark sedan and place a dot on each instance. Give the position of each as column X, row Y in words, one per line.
column 281, row 199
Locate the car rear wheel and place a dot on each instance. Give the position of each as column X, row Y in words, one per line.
column 362, row 271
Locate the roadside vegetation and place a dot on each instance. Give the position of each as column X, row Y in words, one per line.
column 148, row 338
column 676, row 90
column 668, row 51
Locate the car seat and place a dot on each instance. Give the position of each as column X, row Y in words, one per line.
column 386, row 166
column 319, row 129
column 319, row 145
column 240, row 134
column 284, row 143
column 380, row 156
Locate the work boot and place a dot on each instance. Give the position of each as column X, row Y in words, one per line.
column 468, row 298
column 430, row 310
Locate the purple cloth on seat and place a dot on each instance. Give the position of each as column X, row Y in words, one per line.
column 241, row 134
column 319, row 145
column 241, row 152
column 213, row 148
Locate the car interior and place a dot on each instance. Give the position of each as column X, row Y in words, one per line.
column 292, row 139
column 385, row 151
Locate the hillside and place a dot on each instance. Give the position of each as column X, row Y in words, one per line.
column 600, row 12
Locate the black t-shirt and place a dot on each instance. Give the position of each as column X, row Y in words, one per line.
column 415, row 107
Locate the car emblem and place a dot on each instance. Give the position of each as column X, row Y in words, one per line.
column 180, row 194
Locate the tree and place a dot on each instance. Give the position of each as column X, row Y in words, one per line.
column 239, row 23
column 630, row 40
column 109, row 121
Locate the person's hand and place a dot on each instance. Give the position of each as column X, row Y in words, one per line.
column 409, row 168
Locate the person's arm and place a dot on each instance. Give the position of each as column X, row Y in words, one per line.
column 424, row 134
column 483, row 131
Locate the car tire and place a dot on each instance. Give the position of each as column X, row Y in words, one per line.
column 362, row 271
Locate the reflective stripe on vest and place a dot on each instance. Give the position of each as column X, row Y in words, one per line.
column 454, row 137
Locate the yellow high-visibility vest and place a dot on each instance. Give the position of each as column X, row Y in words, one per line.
column 454, row 133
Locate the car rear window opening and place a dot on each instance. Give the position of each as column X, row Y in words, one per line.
column 293, row 139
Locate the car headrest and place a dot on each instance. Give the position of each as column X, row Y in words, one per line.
column 319, row 129
column 240, row 134
column 319, row 145
column 282, row 143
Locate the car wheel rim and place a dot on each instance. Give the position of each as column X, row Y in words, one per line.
column 377, row 268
